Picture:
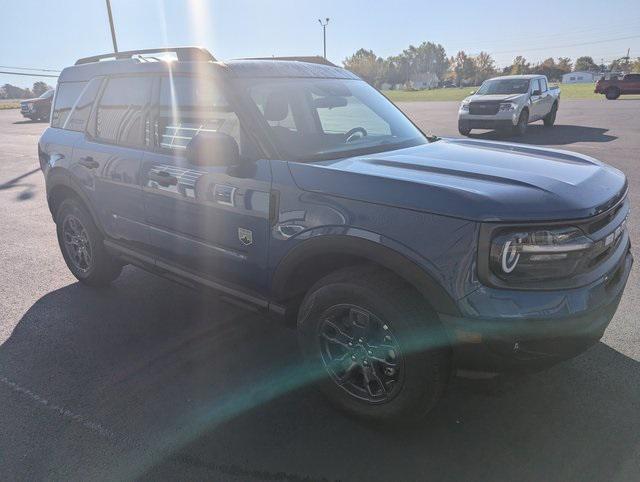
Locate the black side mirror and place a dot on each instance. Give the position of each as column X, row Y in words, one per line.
column 213, row 149
column 536, row 92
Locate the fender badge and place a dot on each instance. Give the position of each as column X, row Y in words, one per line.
column 245, row 236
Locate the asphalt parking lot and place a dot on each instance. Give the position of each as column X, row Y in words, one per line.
column 147, row 379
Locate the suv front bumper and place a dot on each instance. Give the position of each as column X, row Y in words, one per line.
column 500, row 120
column 566, row 324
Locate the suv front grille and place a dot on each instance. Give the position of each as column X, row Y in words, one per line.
column 483, row 108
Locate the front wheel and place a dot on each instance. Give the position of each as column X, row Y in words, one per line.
column 375, row 348
column 463, row 128
column 523, row 121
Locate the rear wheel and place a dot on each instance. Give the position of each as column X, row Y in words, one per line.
column 523, row 121
column 612, row 93
column 81, row 245
column 375, row 346
column 550, row 118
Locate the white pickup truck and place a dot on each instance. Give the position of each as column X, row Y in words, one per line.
column 509, row 102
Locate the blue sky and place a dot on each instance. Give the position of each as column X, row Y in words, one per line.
column 53, row 34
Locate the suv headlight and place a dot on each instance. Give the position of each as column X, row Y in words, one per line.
column 538, row 254
column 508, row 107
column 464, row 106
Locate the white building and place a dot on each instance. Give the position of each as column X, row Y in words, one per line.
column 579, row 77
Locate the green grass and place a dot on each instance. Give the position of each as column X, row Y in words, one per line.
column 568, row 91
column 9, row 104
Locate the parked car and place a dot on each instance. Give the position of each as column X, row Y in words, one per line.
column 300, row 191
column 38, row 108
column 509, row 103
column 614, row 87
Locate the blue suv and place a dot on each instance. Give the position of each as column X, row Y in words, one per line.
column 297, row 189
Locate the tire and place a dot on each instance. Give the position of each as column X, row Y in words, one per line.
column 612, row 93
column 523, row 121
column 463, row 128
column 550, row 118
column 394, row 336
column 82, row 246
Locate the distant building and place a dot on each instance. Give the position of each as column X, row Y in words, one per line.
column 423, row 80
column 580, row 77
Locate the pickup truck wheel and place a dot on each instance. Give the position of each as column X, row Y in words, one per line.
column 523, row 121
column 81, row 245
column 550, row 118
column 376, row 348
column 612, row 93
column 463, row 128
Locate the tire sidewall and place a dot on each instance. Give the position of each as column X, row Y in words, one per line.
column 612, row 93
column 71, row 207
column 423, row 371
column 523, row 121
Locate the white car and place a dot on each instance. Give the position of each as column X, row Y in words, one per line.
column 509, row 103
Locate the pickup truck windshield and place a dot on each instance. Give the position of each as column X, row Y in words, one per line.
column 504, row 86
column 317, row 119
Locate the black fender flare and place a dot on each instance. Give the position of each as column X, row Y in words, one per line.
column 372, row 251
column 59, row 177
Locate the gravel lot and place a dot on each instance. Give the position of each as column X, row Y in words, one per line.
column 149, row 380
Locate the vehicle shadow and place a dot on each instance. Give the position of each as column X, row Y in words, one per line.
column 29, row 121
column 557, row 135
column 148, row 379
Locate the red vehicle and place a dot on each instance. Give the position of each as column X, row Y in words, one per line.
column 38, row 108
column 614, row 87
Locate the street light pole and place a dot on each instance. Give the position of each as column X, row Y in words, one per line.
column 113, row 29
column 324, row 34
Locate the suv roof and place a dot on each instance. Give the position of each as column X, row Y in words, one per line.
column 197, row 60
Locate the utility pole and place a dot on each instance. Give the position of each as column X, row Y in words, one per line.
column 113, row 29
column 324, row 34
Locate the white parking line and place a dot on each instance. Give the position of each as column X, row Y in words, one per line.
column 64, row 412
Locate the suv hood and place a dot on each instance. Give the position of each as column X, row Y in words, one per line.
column 469, row 179
column 495, row 98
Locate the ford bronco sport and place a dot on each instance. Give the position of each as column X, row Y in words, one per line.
column 299, row 190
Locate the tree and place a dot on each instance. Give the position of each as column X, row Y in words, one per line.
column 40, row 88
column 520, row 66
column 366, row 64
column 485, row 67
column 463, row 68
column 564, row 64
column 635, row 66
column 13, row 92
column 586, row 64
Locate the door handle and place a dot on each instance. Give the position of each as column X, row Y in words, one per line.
column 163, row 178
column 88, row 162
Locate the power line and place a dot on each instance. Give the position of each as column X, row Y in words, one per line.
column 566, row 45
column 28, row 68
column 28, row 74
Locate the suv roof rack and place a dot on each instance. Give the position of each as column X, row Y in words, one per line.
column 314, row 59
column 183, row 54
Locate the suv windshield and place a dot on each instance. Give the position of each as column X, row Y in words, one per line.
column 47, row 94
column 504, row 86
column 315, row 119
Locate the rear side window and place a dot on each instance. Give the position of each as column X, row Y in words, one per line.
column 77, row 121
column 123, row 111
column 66, row 96
column 189, row 105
